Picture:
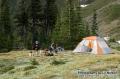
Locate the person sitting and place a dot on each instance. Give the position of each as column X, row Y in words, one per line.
column 36, row 47
column 53, row 48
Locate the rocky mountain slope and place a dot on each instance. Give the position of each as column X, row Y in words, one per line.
column 108, row 12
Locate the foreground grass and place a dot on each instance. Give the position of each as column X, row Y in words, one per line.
column 65, row 65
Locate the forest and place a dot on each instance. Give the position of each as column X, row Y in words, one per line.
column 44, row 21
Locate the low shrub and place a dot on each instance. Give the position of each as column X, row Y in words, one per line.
column 57, row 62
column 11, row 72
column 114, row 45
column 5, row 69
column 4, row 50
column 1, row 65
column 25, row 68
column 26, row 73
column 112, row 40
column 28, row 68
column 34, row 62
column 118, row 48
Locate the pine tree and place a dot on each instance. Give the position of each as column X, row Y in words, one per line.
column 50, row 16
column 94, row 24
column 36, row 19
column 21, row 22
column 5, row 24
column 78, row 27
column 71, row 19
column 57, row 33
column 87, row 30
column 74, row 28
column 65, row 25
column 80, row 22
column 70, row 27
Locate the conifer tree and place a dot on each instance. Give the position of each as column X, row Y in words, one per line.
column 35, row 19
column 57, row 34
column 87, row 30
column 70, row 27
column 74, row 30
column 65, row 24
column 5, row 26
column 80, row 23
column 94, row 24
column 21, row 23
column 50, row 16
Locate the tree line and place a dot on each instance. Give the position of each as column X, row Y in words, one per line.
column 33, row 20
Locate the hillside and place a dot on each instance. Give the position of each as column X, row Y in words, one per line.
column 108, row 16
column 65, row 65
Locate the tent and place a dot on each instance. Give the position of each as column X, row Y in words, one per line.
column 93, row 44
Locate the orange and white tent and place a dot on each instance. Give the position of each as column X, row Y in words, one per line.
column 93, row 44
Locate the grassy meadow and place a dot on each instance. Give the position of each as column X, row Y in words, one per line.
column 65, row 65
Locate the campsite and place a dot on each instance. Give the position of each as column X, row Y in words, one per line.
column 80, row 63
column 59, row 39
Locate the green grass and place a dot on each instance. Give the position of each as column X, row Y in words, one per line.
column 61, row 66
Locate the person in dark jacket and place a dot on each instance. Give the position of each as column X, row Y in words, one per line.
column 36, row 47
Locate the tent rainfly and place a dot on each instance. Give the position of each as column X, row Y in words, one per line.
column 93, row 44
